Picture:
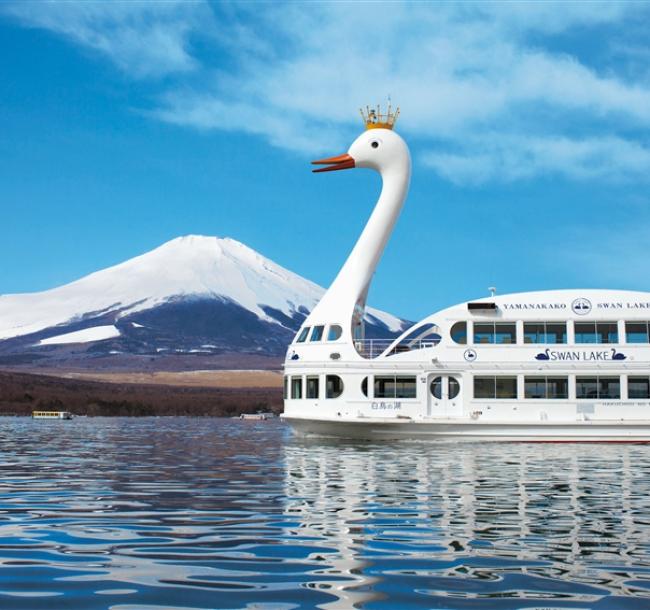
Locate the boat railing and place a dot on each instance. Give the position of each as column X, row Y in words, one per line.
column 371, row 348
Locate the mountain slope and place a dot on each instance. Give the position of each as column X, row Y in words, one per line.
column 193, row 294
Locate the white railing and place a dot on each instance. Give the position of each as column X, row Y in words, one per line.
column 371, row 348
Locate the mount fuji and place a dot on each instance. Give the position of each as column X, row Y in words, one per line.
column 211, row 299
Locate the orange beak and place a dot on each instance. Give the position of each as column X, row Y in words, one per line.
column 340, row 162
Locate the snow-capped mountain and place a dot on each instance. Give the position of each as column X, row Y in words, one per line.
column 193, row 294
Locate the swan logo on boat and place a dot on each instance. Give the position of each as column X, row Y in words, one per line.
column 470, row 355
column 581, row 306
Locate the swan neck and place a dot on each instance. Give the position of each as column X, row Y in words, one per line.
column 346, row 298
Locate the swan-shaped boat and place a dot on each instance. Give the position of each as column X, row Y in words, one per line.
column 566, row 365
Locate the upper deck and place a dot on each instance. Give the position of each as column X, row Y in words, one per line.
column 542, row 324
column 556, row 320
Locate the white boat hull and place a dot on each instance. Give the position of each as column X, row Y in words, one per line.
column 441, row 430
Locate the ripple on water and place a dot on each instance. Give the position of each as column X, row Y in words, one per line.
column 214, row 513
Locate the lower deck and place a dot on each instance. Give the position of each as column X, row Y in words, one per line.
column 487, row 398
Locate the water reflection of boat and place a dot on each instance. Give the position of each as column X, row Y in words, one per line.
column 433, row 527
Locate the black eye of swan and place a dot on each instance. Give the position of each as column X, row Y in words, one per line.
column 374, row 144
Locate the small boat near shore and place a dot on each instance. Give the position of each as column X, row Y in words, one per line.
column 257, row 416
column 52, row 415
column 565, row 365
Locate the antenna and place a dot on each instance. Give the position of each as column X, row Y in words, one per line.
column 493, row 290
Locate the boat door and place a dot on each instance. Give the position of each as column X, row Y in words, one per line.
column 445, row 397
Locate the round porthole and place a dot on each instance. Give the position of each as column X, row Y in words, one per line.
column 334, row 332
column 454, row 387
column 458, row 333
column 333, row 386
column 436, row 387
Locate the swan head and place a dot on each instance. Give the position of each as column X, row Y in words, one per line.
column 378, row 149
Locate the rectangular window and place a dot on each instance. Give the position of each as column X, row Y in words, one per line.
column 555, row 332
column 303, row 335
column 495, row 332
column 609, row 387
column 285, row 388
column 506, row 387
column 296, row 387
column 638, row 387
column 483, row 333
column 546, row 387
column 596, row 332
column 637, row 332
column 495, row 387
column 598, row 388
column 312, row 387
column 587, row 387
column 607, row 332
column 535, row 387
column 484, row 387
column 405, row 387
column 391, row 386
column 534, row 332
column 384, row 387
column 545, row 332
column 317, row 333
column 505, row 333
column 585, row 332
column 557, row 387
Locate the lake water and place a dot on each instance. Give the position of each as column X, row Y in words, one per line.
column 213, row 513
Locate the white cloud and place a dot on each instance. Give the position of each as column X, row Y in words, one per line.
column 488, row 91
column 550, row 16
column 481, row 101
column 505, row 158
column 280, row 128
column 145, row 39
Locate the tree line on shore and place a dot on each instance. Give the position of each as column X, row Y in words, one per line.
column 22, row 393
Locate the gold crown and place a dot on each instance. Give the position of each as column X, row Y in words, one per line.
column 374, row 119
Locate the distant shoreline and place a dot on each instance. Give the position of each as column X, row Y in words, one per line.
column 257, row 378
column 127, row 395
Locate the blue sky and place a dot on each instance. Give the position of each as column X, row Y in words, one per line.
column 125, row 124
